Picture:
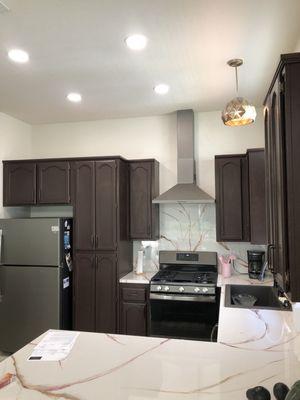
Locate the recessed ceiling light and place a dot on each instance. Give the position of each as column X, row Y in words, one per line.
column 136, row 42
column 18, row 55
column 162, row 88
column 74, row 97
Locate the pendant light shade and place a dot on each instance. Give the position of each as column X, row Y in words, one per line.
column 238, row 111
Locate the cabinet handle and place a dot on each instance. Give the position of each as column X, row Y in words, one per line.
column 97, row 262
column 269, row 249
column 97, row 241
column 40, row 194
column 92, row 240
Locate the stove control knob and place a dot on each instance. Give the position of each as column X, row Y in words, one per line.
column 181, row 289
column 205, row 290
column 167, row 288
column 158, row 288
column 197, row 290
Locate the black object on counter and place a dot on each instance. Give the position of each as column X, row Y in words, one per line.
column 258, row 393
column 280, row 391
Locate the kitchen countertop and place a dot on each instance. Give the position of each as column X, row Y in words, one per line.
column 143, row 278
column 255, row 347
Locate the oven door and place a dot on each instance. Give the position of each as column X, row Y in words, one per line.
column 184, row 317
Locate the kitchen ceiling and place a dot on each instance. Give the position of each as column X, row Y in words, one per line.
column 78, row 46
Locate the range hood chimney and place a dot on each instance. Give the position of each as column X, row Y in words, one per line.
column 186, row 190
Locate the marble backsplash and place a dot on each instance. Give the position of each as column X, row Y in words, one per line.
column 189, row 227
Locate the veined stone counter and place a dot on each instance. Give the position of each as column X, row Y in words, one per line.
column 115, row 367
column 255, row 347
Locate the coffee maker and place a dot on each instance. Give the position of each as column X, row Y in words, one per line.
column 256, row 259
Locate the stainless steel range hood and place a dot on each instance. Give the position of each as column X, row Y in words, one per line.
column 186, row 190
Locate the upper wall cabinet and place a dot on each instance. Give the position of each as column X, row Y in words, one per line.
column 257, row 190
column 144, row 187
column 30, row 183
column 240, row 197
column 232, row 198
column 19, row 183
column 53, row 182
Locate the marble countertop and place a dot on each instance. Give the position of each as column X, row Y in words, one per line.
column 143, row 278
column 255, row 347
column 116, row 367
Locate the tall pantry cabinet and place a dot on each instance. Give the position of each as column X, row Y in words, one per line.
column 103, row 251
column 282, row 137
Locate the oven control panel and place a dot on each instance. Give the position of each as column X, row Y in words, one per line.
column 183, row 289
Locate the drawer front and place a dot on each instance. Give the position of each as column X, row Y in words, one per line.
column 134, row 294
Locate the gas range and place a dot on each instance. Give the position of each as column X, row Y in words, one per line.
column 186, row 273
column 184, row 297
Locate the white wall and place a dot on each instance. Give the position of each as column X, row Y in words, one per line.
column 15, row 143
column 213, row 137
column 149, row 137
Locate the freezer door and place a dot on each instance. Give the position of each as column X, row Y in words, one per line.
column 30, row 241
column 29, row 304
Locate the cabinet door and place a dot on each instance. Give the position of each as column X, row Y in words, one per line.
column 19, row 184
column 232, row 204
column 143, row 214
column 257, row 200
column 53, row 182
column 134, row 319
column 106, row 205
column 84, row 292
column 84, row 205
column 106, row 293
column 279, row 188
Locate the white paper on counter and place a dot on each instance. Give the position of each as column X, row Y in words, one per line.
column 55, row 346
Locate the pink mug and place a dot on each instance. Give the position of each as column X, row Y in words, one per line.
column 226, row 270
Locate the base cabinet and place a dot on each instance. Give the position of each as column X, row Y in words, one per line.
column 134, row 309
column 95, row 292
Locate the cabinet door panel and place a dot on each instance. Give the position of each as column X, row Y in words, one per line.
column 140, row 200
column 54, row 185
column 84, row 205
column 106, row 205
column 257, row 201
column 134, row 319
column 84, row 292
column 280, row 217
column 229, row 199
column 19, row 184
column 106, row 293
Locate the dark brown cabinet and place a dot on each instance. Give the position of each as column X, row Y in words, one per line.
column 101, row 208
column 95, row 293
column 19, row 183
column 53, row 182
column 134, row 308
column 106, row 205
column 106, row 293
column 30, row 183
column 95, row 205
column 282, row 136
column 240, row 197
column 232, row 198
column 84, row 205
column 84, row 292
column 257, row 199
column 144, row 187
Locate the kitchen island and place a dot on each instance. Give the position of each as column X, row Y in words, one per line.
column 114, row 367
column 255, row 347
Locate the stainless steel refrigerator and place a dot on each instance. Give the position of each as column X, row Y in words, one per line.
column 35, row 278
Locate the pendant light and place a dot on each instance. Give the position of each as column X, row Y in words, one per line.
column 238, row 111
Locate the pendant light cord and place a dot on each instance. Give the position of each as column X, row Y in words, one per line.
column 236, row 81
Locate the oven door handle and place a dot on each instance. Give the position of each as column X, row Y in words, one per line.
column 174, row 297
